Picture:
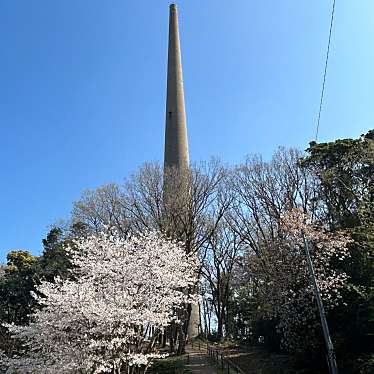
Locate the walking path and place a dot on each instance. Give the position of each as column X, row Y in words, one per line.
column 198, row 362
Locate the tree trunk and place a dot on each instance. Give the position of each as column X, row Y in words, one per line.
column 181, row 340
column 172, row 337
column 164, row 337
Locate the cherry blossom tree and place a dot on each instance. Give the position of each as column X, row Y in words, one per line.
column 283, row 281
column 108, row 316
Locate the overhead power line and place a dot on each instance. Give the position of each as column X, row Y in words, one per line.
column 325, row 72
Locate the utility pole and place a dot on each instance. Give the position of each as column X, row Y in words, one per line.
column 326, row 333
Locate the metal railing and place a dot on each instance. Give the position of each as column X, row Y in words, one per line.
column 224, row 363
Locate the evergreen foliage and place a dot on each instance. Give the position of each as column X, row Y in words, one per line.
column 344, row 170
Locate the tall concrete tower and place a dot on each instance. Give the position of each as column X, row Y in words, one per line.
column 176, row 141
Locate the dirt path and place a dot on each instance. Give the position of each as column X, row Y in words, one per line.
column 198, row 362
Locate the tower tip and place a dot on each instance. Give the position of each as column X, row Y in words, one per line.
column 173, row 6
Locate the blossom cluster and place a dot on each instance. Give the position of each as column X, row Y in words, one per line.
column 106, row 317
column 284, row 281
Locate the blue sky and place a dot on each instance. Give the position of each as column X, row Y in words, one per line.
column 82, row 94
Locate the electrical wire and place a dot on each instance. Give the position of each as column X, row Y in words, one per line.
column 325, row 72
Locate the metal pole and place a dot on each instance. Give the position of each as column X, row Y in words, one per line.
column 321, row 309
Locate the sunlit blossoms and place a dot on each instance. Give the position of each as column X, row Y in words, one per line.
column 282, row 271
column 107, row 317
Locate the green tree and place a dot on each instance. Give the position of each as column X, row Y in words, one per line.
column 54, row 260
column 17, row 280
column 16, row 285
column 345, row 199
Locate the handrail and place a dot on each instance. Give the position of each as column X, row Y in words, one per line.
column 224, row 362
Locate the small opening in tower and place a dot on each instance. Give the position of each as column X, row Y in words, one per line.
column 169, row 114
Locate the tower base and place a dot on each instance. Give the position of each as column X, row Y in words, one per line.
column 194, row 324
